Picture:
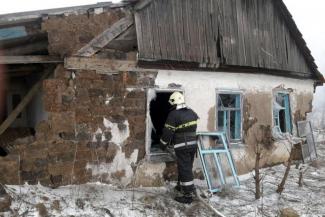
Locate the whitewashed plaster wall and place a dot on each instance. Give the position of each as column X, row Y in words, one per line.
column 200, row 94
column 200, row 87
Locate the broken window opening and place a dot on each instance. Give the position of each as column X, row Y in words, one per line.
column 158, row 109
column 229, row 112
column 24, row 124
column 282, row 113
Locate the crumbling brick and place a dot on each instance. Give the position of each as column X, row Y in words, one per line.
column 70, row 33
column 9, row 167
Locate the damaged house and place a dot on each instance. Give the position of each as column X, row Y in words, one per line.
column 87, row 88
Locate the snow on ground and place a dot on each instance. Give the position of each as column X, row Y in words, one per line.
column 96, row 199
column 308, row 200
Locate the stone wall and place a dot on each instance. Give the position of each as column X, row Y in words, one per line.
column 95, row 130
column 96, row 122
column 67, row 34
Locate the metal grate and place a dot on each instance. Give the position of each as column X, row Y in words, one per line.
column 305, row 131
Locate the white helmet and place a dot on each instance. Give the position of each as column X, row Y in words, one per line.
column 176, row 99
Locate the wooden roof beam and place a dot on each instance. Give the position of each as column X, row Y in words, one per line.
column 7, row 60
column 104, row 66
column 142, row 4
column 106, row 37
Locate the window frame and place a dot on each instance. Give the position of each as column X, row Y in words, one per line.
column 151, row 156
column 237, row 92
column 287, row 109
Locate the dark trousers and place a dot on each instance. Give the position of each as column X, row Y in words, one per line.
column 185, row 159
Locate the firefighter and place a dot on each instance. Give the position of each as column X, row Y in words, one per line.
column 180, row 133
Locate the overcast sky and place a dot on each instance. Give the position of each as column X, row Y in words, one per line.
column 310, row 17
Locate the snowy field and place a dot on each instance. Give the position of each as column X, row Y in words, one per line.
column 96, row 199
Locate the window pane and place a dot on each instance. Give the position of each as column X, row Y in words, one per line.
column 279, row 98
column 228, row 101
column 287, row 113
column 221, row 120
column 235, row 124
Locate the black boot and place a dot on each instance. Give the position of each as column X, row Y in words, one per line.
column 186, row 199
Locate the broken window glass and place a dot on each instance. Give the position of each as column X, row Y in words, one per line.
column 229, row 115
column 282, row 113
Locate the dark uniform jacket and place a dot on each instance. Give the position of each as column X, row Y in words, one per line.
column 180, row 128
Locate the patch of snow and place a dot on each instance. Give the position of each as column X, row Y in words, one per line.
column 118, row 136
column 130, row 89
column 99, row 131
column 108, row 99
column 120, row 163
column 98, row 200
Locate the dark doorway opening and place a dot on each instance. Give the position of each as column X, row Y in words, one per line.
column 159, row 110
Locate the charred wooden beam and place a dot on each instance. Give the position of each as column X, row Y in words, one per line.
column 126, row 42
column 29, row 59
column 106, row 37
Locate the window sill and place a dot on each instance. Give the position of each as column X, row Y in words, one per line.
column 159, row 157
column 237, row 145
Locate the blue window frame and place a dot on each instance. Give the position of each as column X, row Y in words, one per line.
column 229, row 112
column 282, row 112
